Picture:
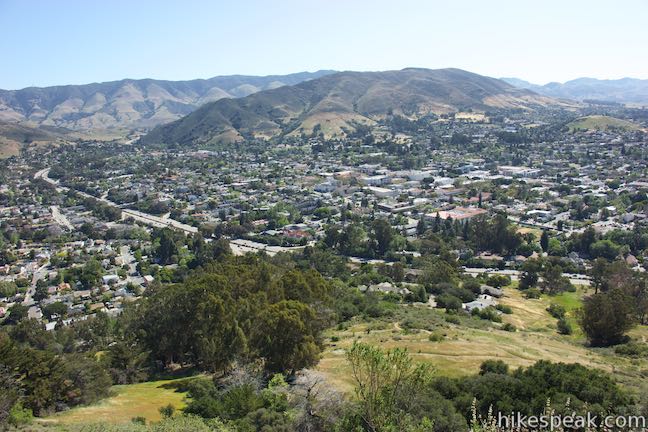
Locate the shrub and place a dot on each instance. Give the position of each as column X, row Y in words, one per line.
column 504, row 309
column 632, row 349
column 564, row 327
column 436, row 337
column 453, row 319
column 167, row 411
column 493, row 366
column 489, row 313
column 532, row 293
column 509, row 327
column 449, row 302
column 556, row 311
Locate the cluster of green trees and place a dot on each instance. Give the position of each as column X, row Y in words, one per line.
column 237, row 310
column 44, row 381
column 373, row 240
column 102, row 210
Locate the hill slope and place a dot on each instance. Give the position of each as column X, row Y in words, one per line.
column 601, row 123
column 626, row 90
column 14, row 136
column 130, row 103
column 338, row 101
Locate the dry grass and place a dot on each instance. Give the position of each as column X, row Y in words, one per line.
column 135, row 400
column 463, row 349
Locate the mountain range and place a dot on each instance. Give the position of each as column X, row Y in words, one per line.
column 624, row 91
column 340, row 101
column 129, row 103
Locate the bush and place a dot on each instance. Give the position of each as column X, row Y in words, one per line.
column 436, row 337
column 498, row 281
column 139, row 420
column 167, row 411
column 449, row 302
column 489, row 313
column 493, row 366
column 556, row 311
column 632, row 349
column 472, row 284
column 532, row 293
column 504, row 309
column 564, row 327
column 453, row 319
column 509, row 327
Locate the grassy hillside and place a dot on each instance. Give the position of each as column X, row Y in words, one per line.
column 601, row 123
column 340, row 101
column 129, row 401
column 464, row 347
column 14, row 136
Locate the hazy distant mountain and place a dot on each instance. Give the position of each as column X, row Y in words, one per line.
column 338, row 101
column 130, row 103
column 625, row 90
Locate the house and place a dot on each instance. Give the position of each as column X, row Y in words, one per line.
column 482, row 302
column 514, row 171
column 381, row 192
column 377, row 180
column 385, row 287
column 461, row 214
column 110, row 279
column 491, row 291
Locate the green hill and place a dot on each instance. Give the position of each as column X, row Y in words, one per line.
column 601, row 123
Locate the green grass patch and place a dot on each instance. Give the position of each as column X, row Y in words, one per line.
column 128, row 401
column 599, row 122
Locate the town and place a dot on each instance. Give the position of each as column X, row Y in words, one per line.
column 88, row 227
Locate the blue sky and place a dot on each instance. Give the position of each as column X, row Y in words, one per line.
column 50, row 42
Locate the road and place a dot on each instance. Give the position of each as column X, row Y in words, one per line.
column 139, row 216
column 241, row 247
column 574, row 278
column 38, row 274
column 60, row 218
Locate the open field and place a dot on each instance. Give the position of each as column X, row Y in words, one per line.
column 599, row 122
column 134, row 400
column 464, row 347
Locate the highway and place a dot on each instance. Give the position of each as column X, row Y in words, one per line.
column 145, row 218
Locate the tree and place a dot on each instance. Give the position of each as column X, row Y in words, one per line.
column 421, row 227
column 167, row 248
column 606, row 317
column 544, row 240
column 598, row 272
column 56, row 308
column 383, row 235
column 17, row 313
column 387, row 384
column 604, row 248
column 530, row 273
column 10, row 394
column 285, row 335
column 553, row 282
column 91, row 274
